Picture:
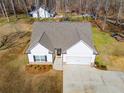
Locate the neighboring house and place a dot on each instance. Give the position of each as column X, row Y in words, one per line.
column 71, row 41
column 41, row 12
column 89, row 15
column 86, row 15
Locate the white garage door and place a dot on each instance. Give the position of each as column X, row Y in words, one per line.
column 78, row 60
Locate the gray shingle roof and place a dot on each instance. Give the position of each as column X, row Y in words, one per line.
column 61, row 35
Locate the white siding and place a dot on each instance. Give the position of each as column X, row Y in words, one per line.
column 42, row 13
column 80, row 53
column 39, row 50
column 93, row 58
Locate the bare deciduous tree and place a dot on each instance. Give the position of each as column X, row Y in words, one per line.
column 37, row 7
column 25, row 6
column 13, row 7
column 2, row 10
column 120, row 11
column 5, row 11
column 106, row 13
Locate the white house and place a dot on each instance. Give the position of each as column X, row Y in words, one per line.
column 41, row 12
column 72, row 41
column 86, row 15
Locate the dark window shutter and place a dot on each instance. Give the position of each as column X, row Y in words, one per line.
column 45, row 58
column 34, row 58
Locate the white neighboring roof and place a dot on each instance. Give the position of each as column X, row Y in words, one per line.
column 86, row 15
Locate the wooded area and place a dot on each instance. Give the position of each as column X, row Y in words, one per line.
column 113, row 9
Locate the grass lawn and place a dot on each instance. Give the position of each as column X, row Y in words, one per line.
column 14, row 78
column 111, row 52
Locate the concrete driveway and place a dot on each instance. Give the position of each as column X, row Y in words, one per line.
column 85, row 79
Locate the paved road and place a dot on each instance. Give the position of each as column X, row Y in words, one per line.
column 85, row 79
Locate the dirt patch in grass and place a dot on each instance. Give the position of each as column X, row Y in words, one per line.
column 14, row 40
column 116, row 63
column 38, row 69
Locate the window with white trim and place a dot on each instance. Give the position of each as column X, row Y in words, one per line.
column 40, row 58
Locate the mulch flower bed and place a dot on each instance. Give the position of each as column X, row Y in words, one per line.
column 36, row 69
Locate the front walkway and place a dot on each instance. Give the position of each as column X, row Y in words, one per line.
column 85, row 79
column 58, row 64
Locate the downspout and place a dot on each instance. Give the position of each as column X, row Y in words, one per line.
column 62, row 61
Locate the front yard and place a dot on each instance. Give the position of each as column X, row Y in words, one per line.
column 13, row 76
column 15, row 79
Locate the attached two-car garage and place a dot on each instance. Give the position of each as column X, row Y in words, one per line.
column 80, row 53
column 78, row 60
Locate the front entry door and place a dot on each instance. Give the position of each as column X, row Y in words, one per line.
column 58, row 51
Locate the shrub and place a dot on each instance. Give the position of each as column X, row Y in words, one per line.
column 36, row 69
column 67, row 18
column 100, row 64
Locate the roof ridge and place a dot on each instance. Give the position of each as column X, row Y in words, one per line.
column 78, row 34
column 41, row 36
column 85, row 35
column 44, row 33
